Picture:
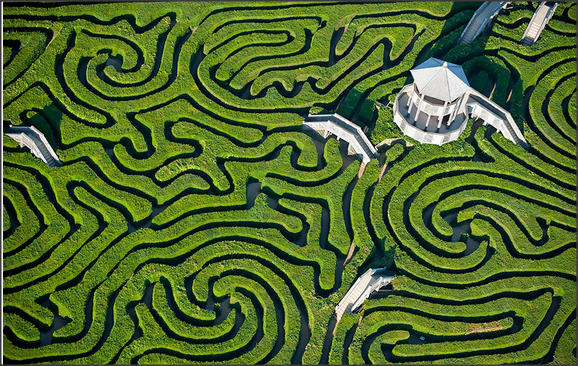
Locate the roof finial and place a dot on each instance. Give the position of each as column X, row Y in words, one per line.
column 445, row 64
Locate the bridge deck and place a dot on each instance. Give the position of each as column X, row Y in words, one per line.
column 370, row 281
column 345, row 130
column 541, row 17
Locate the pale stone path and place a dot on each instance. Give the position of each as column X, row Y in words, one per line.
column 382, row 172
column 349, row 253
column 360, row 171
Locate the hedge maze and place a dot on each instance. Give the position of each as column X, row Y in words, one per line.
column 194, row 221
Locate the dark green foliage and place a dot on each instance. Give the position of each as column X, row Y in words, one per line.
column 384, row 126
column 394, row 152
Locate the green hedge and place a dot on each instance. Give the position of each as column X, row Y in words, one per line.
column 384, row 127
column 346, row 324
column 30, row 47
column 516, row 225
column 136, row 207
column 555, row 179
column 6, row 223
column 563, row 150
column 241, row 171
column 27, row 222
column 56, row 225
column 498, row 192
column 468, row 318
column 330, row 194
column 497, row 69
column 565, row 90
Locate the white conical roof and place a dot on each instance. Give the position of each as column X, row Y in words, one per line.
column 441, row 80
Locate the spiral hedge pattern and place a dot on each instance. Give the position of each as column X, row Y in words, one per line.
column 194, row 221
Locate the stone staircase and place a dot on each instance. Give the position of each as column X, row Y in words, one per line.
column 44, row 151
column 470, row 33
column 541, row 17
column 480, row 20
column 532, row 34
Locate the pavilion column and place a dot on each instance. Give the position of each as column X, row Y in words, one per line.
column 455, row 112
column 410, row 94
column 418, row 108
column 410, row 103
column 444, row 109
column 427, row 121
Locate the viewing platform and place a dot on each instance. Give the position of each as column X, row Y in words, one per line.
column 422, row 128
column 436, row 107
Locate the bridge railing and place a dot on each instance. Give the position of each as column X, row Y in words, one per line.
column 500, row 114
column 371, row 288
column 351, row 304
column 486, row 19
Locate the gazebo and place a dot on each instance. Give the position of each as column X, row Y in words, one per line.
column 438, row 88
column 435, row 108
